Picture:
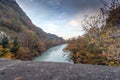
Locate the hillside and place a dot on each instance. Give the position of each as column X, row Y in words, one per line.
column 15, row 23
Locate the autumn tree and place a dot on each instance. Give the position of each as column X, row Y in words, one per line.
column 99, row 45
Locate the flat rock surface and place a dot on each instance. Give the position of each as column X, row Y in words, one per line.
column 21, row 70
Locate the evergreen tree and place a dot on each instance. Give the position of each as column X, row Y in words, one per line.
column 15, row 45
column 4, row 42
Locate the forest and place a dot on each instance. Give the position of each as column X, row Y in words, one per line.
column 100, row 45
column 19, row 37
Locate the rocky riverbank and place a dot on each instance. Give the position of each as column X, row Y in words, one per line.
column 28, row 70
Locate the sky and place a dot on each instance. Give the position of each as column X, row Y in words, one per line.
column 60, row 17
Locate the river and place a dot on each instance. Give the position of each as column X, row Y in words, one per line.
column 54, row 54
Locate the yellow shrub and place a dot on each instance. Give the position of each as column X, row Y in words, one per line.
column 8, row 55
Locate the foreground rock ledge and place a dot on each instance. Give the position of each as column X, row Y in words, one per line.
column 20, row 70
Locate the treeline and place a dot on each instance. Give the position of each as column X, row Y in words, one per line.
column 19, row 49
column 101, row 43
column 25, row 46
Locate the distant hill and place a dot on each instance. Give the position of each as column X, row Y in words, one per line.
column 15, row 23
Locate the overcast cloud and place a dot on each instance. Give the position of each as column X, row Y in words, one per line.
column 61, row 17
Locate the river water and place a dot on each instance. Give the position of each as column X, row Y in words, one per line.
column 54, row 54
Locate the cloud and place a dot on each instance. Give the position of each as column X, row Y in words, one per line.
column 31, row 0
column 74, row 23
column 50, row 27
column 54, row 2
column 61, row 17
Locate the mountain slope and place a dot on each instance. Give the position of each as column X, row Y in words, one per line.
column 15, row 23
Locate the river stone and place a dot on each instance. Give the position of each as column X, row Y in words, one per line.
column 29, row 70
